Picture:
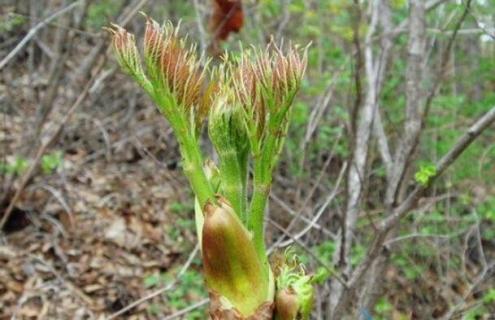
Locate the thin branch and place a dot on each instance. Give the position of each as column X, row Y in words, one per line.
column 445, row 61
column 430, row 5
column 299, row 215
column 411, row 201
column 201, row 29
column 42, row 149
column 187, row 310
column 32, row 32
column 320, row 212
column 485, row 273
column 374, row 68
column 383, row 146
column 331, row 270
column 161, row 290
column 414, row 93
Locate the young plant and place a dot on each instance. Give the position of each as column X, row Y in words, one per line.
column 248, row 102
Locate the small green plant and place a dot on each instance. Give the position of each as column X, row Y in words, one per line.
column 16, row 166
column 383, row 308
column 189, row 288
column 10, row 22
column 180, row 208
column 99, row 11
column 248, row 100
column 50, row 162
column 424, row 174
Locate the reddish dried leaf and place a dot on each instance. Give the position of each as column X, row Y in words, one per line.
column 227, row 17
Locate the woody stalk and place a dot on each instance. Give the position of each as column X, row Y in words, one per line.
column 248, row 105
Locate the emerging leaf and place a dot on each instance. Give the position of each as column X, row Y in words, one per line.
column 228, row 134
column 295, row 292
column 127, row 55
column 265, row 83
column 176, row 70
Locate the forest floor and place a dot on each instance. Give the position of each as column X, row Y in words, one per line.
column 82, row 240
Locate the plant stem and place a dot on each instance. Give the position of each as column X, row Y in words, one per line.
column 233, row 182
column 189, row 146
column 256, row 218
column 262, row 179
column 193, row 169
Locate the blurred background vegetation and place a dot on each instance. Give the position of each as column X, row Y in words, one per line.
column 106, row 217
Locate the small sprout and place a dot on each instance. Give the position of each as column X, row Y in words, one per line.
column 295, row 292
column 17, row 166
column 50, row 162
column 425, row 173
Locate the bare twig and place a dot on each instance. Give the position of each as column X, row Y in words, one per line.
column 201, row 28
column 160, row 291
column 430, row 5
column 26, row 177
column 409, row 203
column 184, row 311
column 444, row 61
column 414, row 94
column 298, row 215
column 374, row 69
column 320, row 212
column 32, row 32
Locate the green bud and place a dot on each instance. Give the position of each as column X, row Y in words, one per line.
column 231, row 266
column 286, row 304
column 294, row 290
column 176, row 71
column 265, row 83
column 213, row 175
column 226, row 128
column 126, row 52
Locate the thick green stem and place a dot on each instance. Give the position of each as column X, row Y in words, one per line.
column 233, row 182
column 262, row 179
column 193, row 168
column 243, row 158
column 256, row 219
column 189, row 146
